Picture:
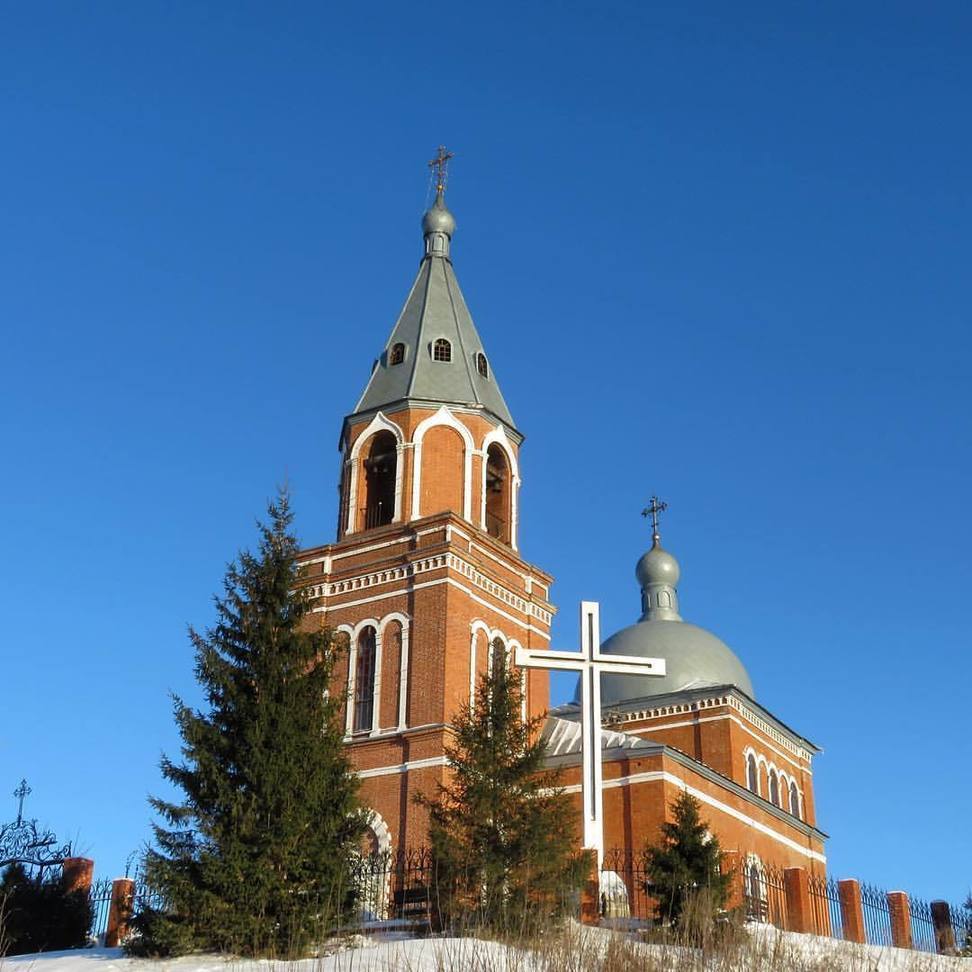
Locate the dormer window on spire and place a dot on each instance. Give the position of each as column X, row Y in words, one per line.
column 397, row 354
column 441, row 350
column 482, row 365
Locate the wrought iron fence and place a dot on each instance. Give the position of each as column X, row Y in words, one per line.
column 877, row 916
column 625, row 887
column 100, row 897
column 962, row 926
column 825, row 901
column 395, row 886
column 922, row 925
column 764, row 894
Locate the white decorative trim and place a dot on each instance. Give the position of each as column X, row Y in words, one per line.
column 378, row 424
column 442, row 417
column 402, row 767
column 436, row 562
column 721, row 718
column 475, row 627
column 654, row 776
column 728, row 700
column 380, row 829
column 498, row 437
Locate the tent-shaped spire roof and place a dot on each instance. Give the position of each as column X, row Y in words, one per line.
column 411, row 367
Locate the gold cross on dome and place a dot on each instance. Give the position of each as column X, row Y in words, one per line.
column 440, row 167
column 653, row 510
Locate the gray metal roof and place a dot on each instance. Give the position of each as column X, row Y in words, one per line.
column 435, row 308
column 694, row 657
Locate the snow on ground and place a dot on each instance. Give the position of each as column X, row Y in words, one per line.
column 769, row 949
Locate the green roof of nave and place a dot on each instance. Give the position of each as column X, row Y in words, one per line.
column 435, row 310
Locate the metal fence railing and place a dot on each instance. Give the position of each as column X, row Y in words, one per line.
column 877, row 916
column 962, row 925
column 400, row 887
column 100, row 897
column 825, row 901
column 922, row 925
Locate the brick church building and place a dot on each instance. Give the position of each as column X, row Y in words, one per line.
column 426, row 580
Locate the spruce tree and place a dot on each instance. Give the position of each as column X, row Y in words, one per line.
column 502, row 831
column 685, row 863
column 256, row 857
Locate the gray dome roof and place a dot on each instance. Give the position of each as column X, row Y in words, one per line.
column 693, row 657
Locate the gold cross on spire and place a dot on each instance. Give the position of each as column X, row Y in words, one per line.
column 440, row 168
column 656, row 506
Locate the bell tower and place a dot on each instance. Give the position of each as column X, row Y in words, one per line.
column 425, row 582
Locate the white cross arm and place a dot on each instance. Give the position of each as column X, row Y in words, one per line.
column 574, row 661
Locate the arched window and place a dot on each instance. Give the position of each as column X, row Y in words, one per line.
column 752, row 774
column 364, row 681
column 380, row 469
column 794, row 801
column 774, row 788
column 397, row 354
column 497, row 655
column 482, row 365
column 441, row 350
column 498, row 494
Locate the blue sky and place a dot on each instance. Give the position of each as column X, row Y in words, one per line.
column 719, row 254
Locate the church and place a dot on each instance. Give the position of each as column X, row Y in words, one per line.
column 425, row 582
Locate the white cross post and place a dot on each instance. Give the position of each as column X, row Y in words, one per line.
column 590, row 662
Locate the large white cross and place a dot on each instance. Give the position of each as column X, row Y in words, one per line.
column 590, row 661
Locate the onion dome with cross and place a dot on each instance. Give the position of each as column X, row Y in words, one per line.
column 694, row 657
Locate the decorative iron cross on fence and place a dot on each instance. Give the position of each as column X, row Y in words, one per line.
column 590, row 662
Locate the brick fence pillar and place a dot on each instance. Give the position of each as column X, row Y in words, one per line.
column 900, row 912
column 852, row 911
column 76, row 874
column 731, row 863
column 799, row 908
column 591, row 891
column 120, row 910
column 944, row 932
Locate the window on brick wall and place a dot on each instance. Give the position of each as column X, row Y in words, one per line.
column 774, row 788
column 794, row 801
column 364, row 681
column 752, row 774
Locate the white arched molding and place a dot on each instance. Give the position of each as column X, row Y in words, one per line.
column 403, row 620
column 476, row 627
column 352, row 671
column 380, row 829
column 442, row 417
column 511, row 654
column 374, row 882
column 500, row 438
column 378, row 424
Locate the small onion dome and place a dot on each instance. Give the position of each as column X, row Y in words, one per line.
column 694, row 657
column 438, row 219
column 658, row 566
